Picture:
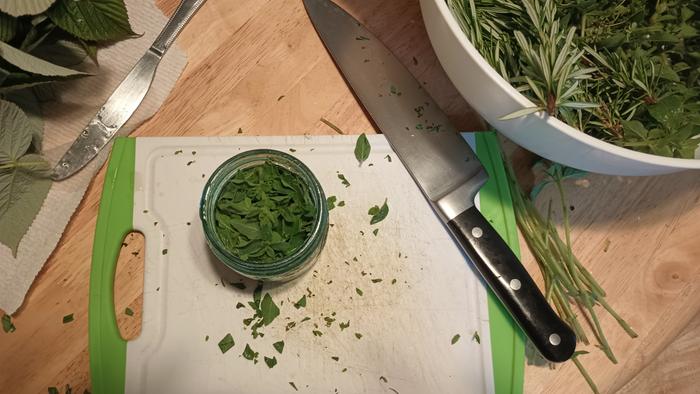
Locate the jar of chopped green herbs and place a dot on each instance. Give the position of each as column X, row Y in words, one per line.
column 264, row 215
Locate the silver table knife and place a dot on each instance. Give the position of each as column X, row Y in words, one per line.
column 442, row 164
column 126, row 97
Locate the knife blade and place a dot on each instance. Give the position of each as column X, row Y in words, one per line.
column 125, row 99
column 442, row 164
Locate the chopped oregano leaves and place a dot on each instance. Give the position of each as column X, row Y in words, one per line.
column 362, row 148
column 301, row 303
column 279, row 346
column 383, row 379
column 344, row 370
column 341, row 204
column 317, row 333
column 7, row 324
column 128, row 312
column 378, row 214
column 249, row 354
column 388, row 158
column 294, row 386
column 67, row 318
column 358, row 291
column 305, row 319
column 225, row 343
column 376, row 280
column 358, row 335
column 165, row 251
column 393, row 281
column 335, row 358
column 476, row 337
column 455, row 338
column 375, row 232
column 240, row 305
column 344, row 325
column 330, row 201
column 206, row 338
column 343, row 180
column 269, row 310
column 264, row 213
column 271, row 362
column 290, row 325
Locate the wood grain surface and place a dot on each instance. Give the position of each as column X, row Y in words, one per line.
column 259, row 66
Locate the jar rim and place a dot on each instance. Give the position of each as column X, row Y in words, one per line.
column 213, row 188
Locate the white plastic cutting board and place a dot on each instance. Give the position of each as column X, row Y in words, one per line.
column 406, row 327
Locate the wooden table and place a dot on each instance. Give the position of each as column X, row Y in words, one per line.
column 258, row 65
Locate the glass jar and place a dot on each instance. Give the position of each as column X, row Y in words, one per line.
column 286, row 268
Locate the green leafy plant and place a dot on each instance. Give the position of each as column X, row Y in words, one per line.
column 41, row 42
column 264, row 213
column 623, row 71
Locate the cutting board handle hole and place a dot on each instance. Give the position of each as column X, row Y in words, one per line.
column 128, row 285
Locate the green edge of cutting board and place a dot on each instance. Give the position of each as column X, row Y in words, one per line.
column 115, row 221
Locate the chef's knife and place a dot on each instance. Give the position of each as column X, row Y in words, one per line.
column 126, row 98
column 442, row 164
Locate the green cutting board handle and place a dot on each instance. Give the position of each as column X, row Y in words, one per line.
column 114, row 222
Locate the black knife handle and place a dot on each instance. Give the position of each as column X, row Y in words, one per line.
column 513, row 285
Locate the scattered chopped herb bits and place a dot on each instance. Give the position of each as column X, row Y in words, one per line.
column 376, row 280
column 279, row 346
column 206, row 338
column 476, row 337
column 305, row 319
column 189, row 163
column 240, row 130
column 128, row 312
column 269, row 310
column 455, row 339
column 343, row 326
column 383, row 379
column 388, row 158
column 343, row 180
column 226, row 343
column 317, row 333
column 362, row 148
column 290, row 325
column 301, row 303
column 358, row 291
column 394, row 390
column 375, row 232
column 271, row 362
column 393, row 281
column 177, row 152
column 344, row 370
column 341, row 204
column 280, row 98
column 164, row 252
column 292, row 150
column 358, row 335
column 378, row 214
column 335, row 358
column 240, row 305
column 294, row 386
column 264, row 213
column 67, row 318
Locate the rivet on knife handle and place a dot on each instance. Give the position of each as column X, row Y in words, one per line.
column 513, row 285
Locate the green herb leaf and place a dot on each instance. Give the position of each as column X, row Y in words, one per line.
column 128, row 312
column 330, row 201
column 25, row 7
column 240, row 305
column 7, row 324
column 383, row 379
column 388, row 158
column 249, row 354
column 343, row 326
column 8, row 29
column 271, row 362
column 301, row 303
column 343, row 180
column 294, row 386
column 341, row 204
column 476, row 337
column 164, row 252
column 269, row 310
column 376, row 280
column 279, row 346
column 67, row 318
column 362, row 148
column 378, row 214
column 358, row 335
column 455, row 338
column 358, row 291
column 317, row 333
column 375, row 232
column 92, row 20
column 35, row 65
column 226, row 343
column 335, row 358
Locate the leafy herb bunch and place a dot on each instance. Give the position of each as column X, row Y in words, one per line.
column 626, row 72
column 41, row 42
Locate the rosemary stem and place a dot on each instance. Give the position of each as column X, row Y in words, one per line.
column 585, row 374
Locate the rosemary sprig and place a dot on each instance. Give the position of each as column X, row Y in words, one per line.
column 569, row 286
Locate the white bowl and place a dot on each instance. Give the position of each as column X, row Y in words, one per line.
column 493, row 97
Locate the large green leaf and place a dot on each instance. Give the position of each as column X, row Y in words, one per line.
column 25, row 7
column 22, row 193
column 62, row 52
column 8, row 27
column 33, row 64
column 27, row 100
column 93, row 20
column 16, row 135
